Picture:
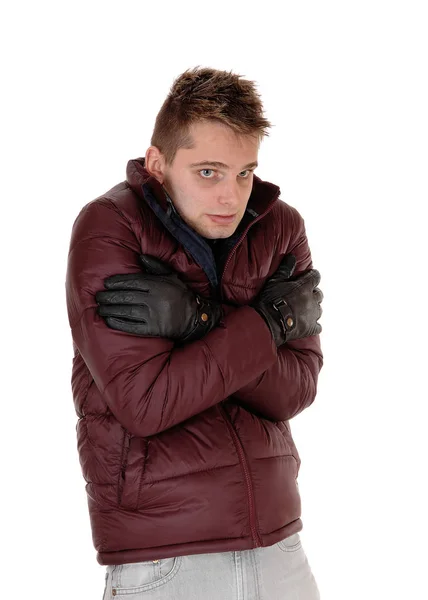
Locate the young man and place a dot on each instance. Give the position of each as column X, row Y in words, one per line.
column 194, row 313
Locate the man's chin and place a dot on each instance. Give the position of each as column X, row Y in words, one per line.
column 216, row 231
column 219, row 233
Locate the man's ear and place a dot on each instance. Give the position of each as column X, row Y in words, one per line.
column 155, row 163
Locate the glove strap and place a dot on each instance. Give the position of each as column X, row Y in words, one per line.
column 206, row 319
column 286, row 316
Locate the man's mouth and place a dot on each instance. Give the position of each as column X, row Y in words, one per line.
column 222, row 218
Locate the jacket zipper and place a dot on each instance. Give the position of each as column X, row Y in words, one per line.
column 251, row 504
column 240, row 240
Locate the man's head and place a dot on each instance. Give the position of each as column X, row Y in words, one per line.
column 208, row 117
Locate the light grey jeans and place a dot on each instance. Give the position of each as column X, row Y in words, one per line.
column 278, row 572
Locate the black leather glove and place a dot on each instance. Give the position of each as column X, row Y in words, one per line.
column 156, row 303
column 290, row 306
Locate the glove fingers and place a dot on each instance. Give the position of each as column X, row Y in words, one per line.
column 311, row 278
column 286, row 268
column 154, row 266
column 133, row 313
column 128, row 281
column 315, row 330
column 319, row 296
column 127, row 326
column 316, row 277
column 122, row 297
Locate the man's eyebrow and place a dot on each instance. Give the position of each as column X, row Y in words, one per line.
column 220, row 165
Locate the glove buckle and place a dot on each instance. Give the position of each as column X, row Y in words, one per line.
column 286, row 316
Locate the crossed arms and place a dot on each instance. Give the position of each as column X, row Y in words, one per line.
column 150, row 384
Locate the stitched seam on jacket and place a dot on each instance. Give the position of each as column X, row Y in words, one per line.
column 216, row 362
column 115, row 207
column 168, row 362
column 136, row 368
column 94, row 237
column 291, row 455
column 155, row 481
column 246, row 287
column 81, row 316
column 111, row 206
column 89, row 382
column 131, row 224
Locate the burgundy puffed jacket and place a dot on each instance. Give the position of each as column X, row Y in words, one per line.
column 186, row 450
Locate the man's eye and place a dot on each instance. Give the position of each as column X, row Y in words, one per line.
column 247, row 171
column 205, row 170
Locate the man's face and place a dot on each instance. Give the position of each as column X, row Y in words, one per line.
column 201, row 189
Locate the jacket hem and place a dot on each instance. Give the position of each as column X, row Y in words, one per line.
column 120, row 557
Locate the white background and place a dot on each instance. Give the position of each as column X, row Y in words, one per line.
column 345, row 84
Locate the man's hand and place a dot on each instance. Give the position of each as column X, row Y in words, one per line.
column 290, row 306
column 156, row 303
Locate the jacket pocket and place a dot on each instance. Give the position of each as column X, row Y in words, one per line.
column 284, row 427
column 134, row 457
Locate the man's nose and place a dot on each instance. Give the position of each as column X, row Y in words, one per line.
column 229, row 195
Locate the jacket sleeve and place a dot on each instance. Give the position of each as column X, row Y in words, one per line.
column 289, row 385
column 148, row 384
